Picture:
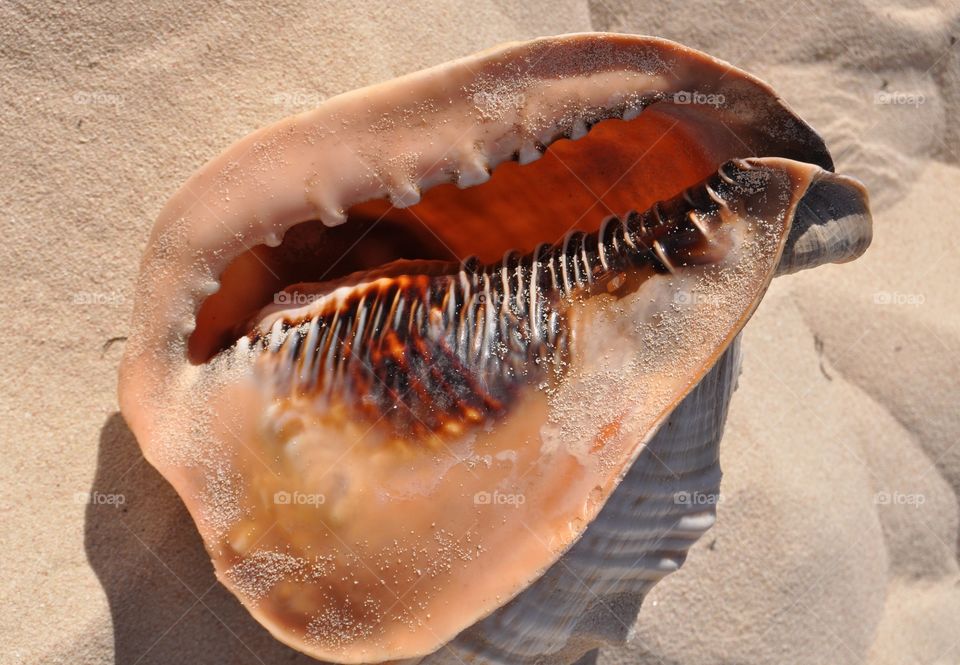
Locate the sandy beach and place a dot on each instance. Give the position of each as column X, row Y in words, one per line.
column 839, row 521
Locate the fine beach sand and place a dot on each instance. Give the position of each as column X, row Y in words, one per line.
column 837, row 534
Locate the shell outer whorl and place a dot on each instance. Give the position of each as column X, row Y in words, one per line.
column 431, row 353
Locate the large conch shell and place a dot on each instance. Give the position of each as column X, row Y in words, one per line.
column 383, row 441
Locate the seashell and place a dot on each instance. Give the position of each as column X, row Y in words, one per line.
column 387, row 424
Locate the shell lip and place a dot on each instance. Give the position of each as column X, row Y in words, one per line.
column 491, row 61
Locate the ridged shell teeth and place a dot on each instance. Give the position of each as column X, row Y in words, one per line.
column 632, row 111
column 331, row 217
column 529, row 153
column 472, row 172
column 405, row 195
column 209, row 288
column 579, row 129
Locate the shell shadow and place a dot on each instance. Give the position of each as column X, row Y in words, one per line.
column 165, row 602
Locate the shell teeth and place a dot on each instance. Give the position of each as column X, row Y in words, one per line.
column 209, row 288
column 579, row 129
column 632, row 112
column 405, row 196
column 331, row 217
column 276, row 336
column 473, row 173
column 273, row 240
column 529, row 153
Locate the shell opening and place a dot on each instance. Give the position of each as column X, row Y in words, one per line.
column 617, row 167
column 432, row 348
